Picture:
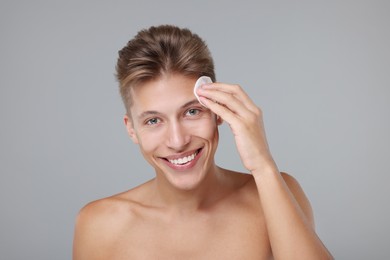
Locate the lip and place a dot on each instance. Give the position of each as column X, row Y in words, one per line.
column 182, row 167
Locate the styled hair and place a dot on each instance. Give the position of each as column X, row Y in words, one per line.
column 158, row 51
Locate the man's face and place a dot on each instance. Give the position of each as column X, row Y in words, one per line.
column 175, row 133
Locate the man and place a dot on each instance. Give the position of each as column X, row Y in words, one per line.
column 194, row 209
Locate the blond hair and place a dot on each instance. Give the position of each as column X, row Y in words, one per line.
column 161, row 50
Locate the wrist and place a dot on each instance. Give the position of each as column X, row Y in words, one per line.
column 265, row 169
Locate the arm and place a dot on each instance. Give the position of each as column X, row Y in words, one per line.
column 287, row 212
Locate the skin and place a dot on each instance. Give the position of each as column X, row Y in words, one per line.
column 199, row 210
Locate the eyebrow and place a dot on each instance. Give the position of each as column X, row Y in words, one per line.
column 190, row 103
column 148, row 113
column 153, row 112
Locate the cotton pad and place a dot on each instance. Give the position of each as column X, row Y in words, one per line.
column 201, row 81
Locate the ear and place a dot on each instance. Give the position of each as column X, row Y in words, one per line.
column 219, row 120
column 130, row 128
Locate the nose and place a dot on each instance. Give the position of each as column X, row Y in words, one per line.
column 177, row 136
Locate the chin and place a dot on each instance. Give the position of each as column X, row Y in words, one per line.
column 185, row 180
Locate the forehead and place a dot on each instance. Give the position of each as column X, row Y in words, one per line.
column 166, row 91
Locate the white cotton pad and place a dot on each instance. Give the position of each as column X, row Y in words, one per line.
column 201, row 81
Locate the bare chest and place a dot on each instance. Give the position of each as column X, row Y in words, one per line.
column 229, row 237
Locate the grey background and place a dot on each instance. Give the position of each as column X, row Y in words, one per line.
column 319, row 70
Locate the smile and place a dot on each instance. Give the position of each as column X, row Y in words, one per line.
column 184, row 160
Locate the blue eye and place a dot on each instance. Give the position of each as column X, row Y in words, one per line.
column 152, row 121
column 193, row 112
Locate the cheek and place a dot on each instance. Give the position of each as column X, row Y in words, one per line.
column 149, row 140
column 206, row 129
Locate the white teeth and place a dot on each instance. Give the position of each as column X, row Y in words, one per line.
column 184, row 160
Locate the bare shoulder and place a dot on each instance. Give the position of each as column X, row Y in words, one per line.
column 101, row 222
column 249, row 190
column 299, row 195
column 99, row 212
column 122, row 205
column 244, row 188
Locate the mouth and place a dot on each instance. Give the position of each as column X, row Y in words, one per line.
column 184, row 161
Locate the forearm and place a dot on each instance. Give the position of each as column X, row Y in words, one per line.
column 292, row 236
column 291, row 233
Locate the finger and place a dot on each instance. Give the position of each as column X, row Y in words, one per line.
column 234, row 90
column 226, row 114
column 227, row 100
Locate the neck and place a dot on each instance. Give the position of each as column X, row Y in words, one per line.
column 199, row 198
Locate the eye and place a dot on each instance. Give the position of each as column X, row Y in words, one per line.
column 192, row 112
column 153, row 121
